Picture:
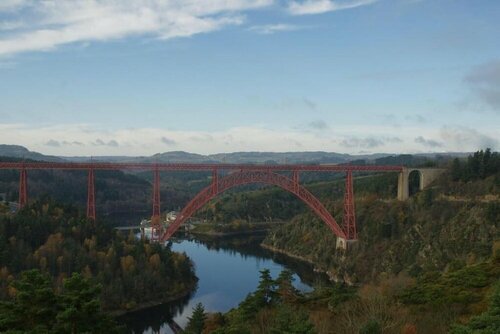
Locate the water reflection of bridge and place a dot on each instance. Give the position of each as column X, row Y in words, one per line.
column 175, row 327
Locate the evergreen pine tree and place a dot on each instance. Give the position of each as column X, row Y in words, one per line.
column 34, row 304
column 286, row 291
column 197, row 320
column 456, row 170
column 80, row 308
column 266, row 290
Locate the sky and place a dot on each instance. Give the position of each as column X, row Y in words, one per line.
column 130, row 77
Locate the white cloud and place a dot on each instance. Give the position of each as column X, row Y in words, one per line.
column 318, row 125
column 484, row 82
column 54, row 23
column 428, row 142
column 90, row 140
column 464, row 138
column 323, row 6
column 369, row 142
column 168, row 141
column 10, row 5
column 100, row 142
column 269, row 29
column 52, row 142
column 11, row 25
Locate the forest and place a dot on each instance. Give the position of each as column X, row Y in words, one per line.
column 58, row 242
column 477, row 166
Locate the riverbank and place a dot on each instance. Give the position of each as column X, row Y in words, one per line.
column 228, row 234
column 146, row 305
column 294, row 256
column 331, row 276
column 229, row 230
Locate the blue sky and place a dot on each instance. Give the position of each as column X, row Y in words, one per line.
column 356, row 76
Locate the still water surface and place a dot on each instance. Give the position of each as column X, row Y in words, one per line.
column 228, row 269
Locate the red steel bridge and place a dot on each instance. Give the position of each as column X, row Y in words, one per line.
column 235, row 175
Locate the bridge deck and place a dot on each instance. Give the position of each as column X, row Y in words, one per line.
column 194, row 167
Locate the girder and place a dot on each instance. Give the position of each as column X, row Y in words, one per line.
column 194, row 167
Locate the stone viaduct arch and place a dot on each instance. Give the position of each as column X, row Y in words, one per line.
column 426, row 176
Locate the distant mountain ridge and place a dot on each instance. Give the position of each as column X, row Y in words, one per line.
column 307, row 157
column 282, row 157
column 235, row 157
column 18, row 151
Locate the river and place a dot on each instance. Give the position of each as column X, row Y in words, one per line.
column 228, row 269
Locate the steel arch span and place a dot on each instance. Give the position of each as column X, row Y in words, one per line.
column 242, row 177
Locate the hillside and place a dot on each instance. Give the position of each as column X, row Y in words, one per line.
column 427, row 265
column 454, row 222
column 449, row 222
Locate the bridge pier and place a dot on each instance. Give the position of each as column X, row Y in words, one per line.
column 403, row 185
column 23, row 187
column 349, row 219
column 296, row 184
column 426, row 177
column 156, row 228
column 91, row 195
column 345, row 244
column 215, row 181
